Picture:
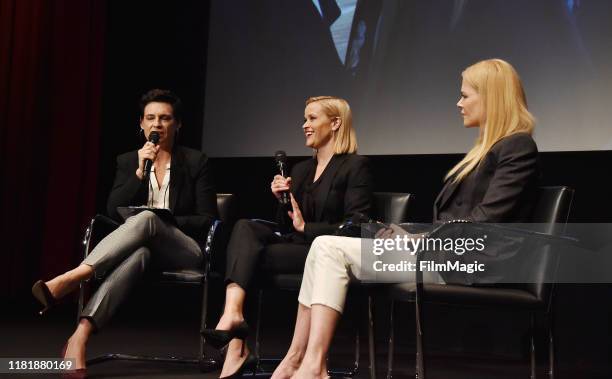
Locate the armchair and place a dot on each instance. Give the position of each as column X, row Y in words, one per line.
column 216, row 239
column 532, row 296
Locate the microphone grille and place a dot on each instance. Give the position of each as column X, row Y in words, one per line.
column 154, row 137
column 280, row 156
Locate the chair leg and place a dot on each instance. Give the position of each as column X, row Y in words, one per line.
column 81, row 301
column 371, row 339
column 391, row 345
column 203, row 315
column 532, row 347
column 258, row 325
column 351, row 372
column 206, row 364
column 355, row 368
column 551, row 348
column 420, row 346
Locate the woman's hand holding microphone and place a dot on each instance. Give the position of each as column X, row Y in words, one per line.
column 148, row 151
column 279, row 185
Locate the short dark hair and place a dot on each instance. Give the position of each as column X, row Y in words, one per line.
column 162, row 96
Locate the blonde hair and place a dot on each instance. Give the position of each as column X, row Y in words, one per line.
column 345, row 140
column 505, row 105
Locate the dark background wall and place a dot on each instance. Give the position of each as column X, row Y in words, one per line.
column 151, row 44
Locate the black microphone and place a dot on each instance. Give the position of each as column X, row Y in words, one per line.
column 281, row 162
column 154, row 139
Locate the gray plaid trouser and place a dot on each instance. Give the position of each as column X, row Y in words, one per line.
column 125, row 255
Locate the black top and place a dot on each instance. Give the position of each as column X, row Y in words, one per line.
column 312, row 191
column 343, row 189
column 193, row 199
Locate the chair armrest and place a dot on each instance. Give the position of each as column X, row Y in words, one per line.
column 510, row 232
column 215, row 246
column 498, row 228
column 271, row 224
column 417, row 227
column 208, row 244
column 98, row 228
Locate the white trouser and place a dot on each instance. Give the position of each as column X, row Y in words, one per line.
column 331, row 263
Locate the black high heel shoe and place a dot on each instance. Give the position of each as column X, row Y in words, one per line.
column 220, row 338
column 43, row 295
column 250, row 363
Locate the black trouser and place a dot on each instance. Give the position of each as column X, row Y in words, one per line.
column 254, row 246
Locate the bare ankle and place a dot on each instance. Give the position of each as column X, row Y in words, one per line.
column 314, row 367
column 229, row 319
column 81, row 272
column 295, row 357
column 82, row 332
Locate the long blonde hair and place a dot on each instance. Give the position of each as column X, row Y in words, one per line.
column 505, row 105
column 345, row 140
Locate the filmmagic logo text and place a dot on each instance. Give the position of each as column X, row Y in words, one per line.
column 408, row 266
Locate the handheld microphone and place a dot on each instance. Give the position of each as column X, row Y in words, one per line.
column 154, row 139
column 281, row 162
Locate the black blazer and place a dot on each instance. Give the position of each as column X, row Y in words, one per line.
column 192, row 195
column 501, row 189
column 346, row 189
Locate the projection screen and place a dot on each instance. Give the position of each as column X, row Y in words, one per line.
column 399, row 64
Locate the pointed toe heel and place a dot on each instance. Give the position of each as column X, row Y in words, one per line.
column 250, row 363
column 43, row 295
column 220, row 338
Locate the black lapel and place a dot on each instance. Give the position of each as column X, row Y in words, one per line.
column 330, row 174
column 447, row 191
column 177, row 175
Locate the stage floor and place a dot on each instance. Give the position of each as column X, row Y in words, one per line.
column 171, row 328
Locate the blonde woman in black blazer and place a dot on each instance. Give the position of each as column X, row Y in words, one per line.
column 494, row 182
column 325, row 190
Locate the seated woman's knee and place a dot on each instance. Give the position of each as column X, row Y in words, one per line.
column 243, row 223
column 147, row 221
column 246, row 228
column 321, row 246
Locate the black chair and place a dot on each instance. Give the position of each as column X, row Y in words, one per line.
column 216, row 240
column 389, row 207
column 533, row 296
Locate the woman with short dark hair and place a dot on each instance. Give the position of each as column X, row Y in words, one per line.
column 179, row 180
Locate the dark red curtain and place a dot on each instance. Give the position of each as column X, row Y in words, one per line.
column 51, row 71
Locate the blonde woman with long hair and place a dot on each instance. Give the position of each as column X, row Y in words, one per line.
column 494, row 182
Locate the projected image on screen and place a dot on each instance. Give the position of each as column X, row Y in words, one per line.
column 399, row 63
